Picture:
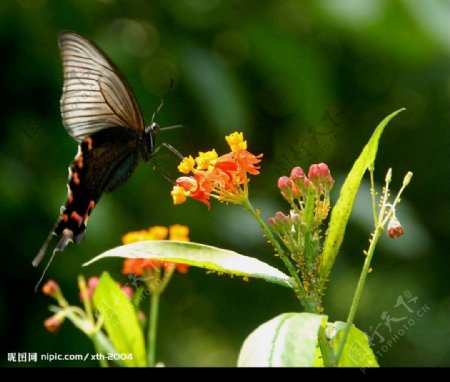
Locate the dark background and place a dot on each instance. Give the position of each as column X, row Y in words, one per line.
column 307, row 82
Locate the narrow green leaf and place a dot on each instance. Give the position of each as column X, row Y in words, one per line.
column 288, row 340
column 341, row 211
column 120, row 320
column 199, row 255
column 357, row 352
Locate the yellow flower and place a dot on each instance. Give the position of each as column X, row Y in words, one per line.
column 186, row 165
column 138, row 265
column 205, row 159
column 224, row 178
column 157, row 233
column 179, row 232
column 179, row 195
column 153, row 233
column 132, row 237
column 236, row 141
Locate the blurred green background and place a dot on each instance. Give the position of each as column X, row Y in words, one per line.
column 307, row 82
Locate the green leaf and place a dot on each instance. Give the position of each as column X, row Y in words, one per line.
column 199, row 255
column 290, row 339
column 341, row 211
column 357, row 352
column 120, row 320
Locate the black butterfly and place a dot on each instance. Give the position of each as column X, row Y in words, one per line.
column 101, row 113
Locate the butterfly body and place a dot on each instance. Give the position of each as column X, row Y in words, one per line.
column 101, row 113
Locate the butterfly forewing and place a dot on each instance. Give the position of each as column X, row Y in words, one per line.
column 95, row 94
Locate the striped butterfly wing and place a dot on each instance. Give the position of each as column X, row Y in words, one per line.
column 95, row 94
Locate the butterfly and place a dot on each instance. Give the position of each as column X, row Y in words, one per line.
column 100, row 112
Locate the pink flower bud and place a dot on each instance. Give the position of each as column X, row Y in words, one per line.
column 285, row 186
column 91, row 286
column 53, row 323
column 324, row 171
column 51, row 288
column 284, row 182
column 314, row 171
column 129, row 291
column 279, row 216
column 93, row 282
column 297, row 172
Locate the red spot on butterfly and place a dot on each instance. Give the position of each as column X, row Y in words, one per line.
column 65, row 218
column 91, row 206
column 70, row 198
column 75, row 216
column 89, row 210
column 88, row 140
column 75, row 178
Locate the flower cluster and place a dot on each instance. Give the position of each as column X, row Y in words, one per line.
column 308, row 196
column 224, row 178
column 81, row 318
column 301, row 230
column 138, row 266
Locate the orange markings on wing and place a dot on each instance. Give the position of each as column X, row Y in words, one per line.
column 75, row 178
column 65, row 218
column 88, row 140
column 70, row 198
column 75, row 216
column 91, row 206
column 89, row 210
column 80, row 162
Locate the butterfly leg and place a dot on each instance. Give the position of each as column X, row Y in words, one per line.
column 169, row 147
column 160, row 170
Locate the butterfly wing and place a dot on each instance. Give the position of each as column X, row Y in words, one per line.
column 104, row 161
column 95, row 95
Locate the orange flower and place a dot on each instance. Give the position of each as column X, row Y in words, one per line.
column 224, row 178
column 137, row 266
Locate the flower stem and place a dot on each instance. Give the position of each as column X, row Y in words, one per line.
column 153, row 326
column 357, row 297
column 329, row 359
column 373, row 192
column 310, row 306
column 99, row 350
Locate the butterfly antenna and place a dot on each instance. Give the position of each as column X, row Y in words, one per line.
column 173, row 127
column 161, row 102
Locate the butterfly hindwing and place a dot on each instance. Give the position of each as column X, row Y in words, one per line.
column 95, row 94
column 104, row 161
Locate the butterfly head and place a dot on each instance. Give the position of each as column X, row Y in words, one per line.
column 150, row 139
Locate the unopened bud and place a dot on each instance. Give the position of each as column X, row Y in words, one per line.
column 394, row 228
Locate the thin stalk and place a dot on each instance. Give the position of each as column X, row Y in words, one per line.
column 357, row 297
column 153, row 327
column 373, row 192
column 329, row 359
column 310, row 306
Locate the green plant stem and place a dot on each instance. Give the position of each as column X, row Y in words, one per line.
column 373, row 192
column 329, row 359
column 357, row 297
column 310, row 306
column 99, row 350
column 153, row 326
